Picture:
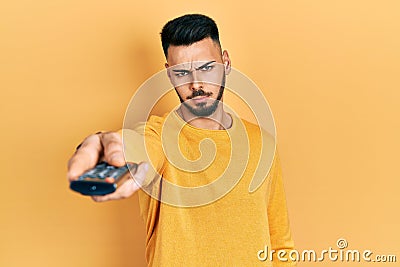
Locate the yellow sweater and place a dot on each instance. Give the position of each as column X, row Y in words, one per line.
column 232, row 228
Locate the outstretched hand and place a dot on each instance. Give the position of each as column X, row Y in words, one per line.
column 107, row 147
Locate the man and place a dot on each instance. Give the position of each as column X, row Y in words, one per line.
column 227, row 229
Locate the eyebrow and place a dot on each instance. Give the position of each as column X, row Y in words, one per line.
column 205, row 65
column 202, row 66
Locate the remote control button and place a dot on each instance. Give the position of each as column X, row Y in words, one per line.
column 90, row 172
column 109, row 180
column 115, row 173
column 102, row 174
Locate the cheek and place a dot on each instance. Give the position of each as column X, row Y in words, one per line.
column 183, row 91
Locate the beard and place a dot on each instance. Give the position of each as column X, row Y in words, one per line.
column 202, row 109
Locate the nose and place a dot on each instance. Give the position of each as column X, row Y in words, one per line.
column 196, row 84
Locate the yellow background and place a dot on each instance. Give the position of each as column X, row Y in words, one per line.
column 329, row 69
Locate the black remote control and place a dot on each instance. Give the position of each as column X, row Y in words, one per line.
column 103, row 179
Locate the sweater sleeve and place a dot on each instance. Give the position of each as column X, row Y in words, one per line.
column 281, row 238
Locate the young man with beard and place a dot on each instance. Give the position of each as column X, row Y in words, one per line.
column 233, row 228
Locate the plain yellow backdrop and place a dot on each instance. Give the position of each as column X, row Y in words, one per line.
column 329, row 69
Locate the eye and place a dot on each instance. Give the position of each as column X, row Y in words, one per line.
column 207, row 68
column 181, row 74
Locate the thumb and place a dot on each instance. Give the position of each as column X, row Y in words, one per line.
column 139, row 176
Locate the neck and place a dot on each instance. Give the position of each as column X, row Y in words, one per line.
column 219, row 120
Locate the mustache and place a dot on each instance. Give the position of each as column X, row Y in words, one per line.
column 199, row 92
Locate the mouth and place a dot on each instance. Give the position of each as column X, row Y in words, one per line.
column 200, row 98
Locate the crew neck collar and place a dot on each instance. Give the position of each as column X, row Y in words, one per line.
column 198, row 129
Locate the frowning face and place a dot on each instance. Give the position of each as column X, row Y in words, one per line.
column 198, row 73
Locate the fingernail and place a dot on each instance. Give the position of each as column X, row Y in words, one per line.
column 146, row 166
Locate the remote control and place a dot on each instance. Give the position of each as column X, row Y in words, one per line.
column 103, row 179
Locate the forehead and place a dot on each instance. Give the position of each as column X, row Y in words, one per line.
column 204, row 50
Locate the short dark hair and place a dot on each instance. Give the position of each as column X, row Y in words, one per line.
column 188, row 29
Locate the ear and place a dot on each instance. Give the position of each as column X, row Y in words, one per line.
column 227, row 62
column 167, row 66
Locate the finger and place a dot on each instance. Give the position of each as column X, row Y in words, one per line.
column 139, row 176
column 113, row 148
column 128, row 188
column 85, row 157
column 125, row 190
